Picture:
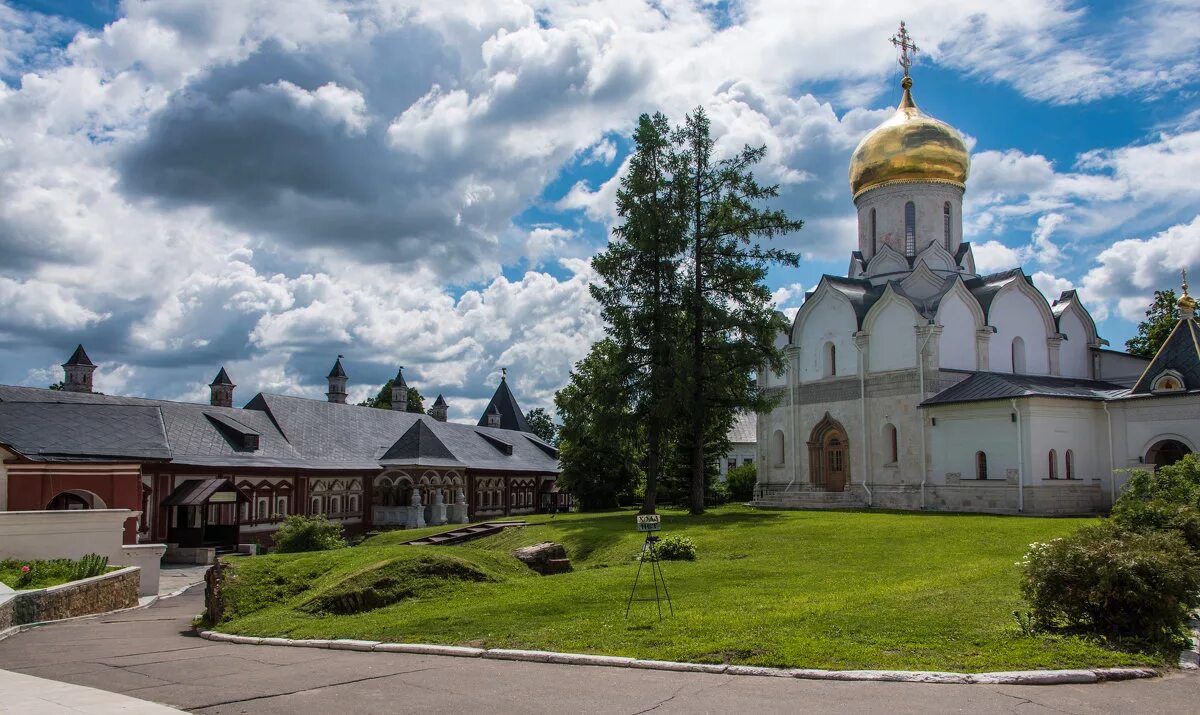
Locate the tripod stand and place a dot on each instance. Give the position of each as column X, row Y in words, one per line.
column 656, row 575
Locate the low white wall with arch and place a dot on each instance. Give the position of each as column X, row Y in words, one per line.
column 1014, row 314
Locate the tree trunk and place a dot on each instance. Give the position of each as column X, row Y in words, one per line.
column 699, row 409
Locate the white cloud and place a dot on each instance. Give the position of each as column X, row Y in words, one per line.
column 993, row 256
column 1128, row 273
column 1050, row 285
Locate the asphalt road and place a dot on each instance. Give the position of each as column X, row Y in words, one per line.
column 152, row 654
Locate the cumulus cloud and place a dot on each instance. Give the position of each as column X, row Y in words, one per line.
column 1131, row 270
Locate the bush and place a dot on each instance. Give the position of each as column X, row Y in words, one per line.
column 1168, row 499
column 1113, row 582
column 88, row 566
column 716, row 494
column 675, row 548
column 741, row 482
column 308, row 533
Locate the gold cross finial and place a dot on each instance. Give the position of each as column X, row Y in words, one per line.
column 1185, row 285
column 904, row 41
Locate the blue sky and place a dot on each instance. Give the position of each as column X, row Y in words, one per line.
column 263, row 186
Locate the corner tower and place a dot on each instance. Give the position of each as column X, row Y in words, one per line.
column 907, row 177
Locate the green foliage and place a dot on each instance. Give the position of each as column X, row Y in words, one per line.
column 394, row 582
column 675, row 548
column 57, row 385
column 599, row 445
column 88, row 566
column 383, row 399
column 788, row 589
column 42, row 574
column 1168, row 499
column 542, row 425
column 1161, row 317
column 1114, row 582
column 308, row 533
column 716, row 493
column 742, row 481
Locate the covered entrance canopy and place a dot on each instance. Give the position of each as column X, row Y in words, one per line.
column 204, row 512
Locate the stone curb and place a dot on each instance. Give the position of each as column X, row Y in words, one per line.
column 1016, row 677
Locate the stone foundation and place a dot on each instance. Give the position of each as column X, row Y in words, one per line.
column 991, row 496
column 99, row 594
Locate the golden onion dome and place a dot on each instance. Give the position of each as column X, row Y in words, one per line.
column 1186, row 302
column 910, row 146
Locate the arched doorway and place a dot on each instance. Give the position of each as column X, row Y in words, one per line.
column 74, row 499
column 1166, row 452
column 829, row 456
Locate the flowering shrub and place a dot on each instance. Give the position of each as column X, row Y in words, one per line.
column 25, row 577
column 675, row 548
column 1113, row 582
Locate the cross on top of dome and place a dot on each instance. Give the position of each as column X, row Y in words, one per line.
column 904, row 41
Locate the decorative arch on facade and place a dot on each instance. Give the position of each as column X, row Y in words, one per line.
column 821, row 294
column 1018, row 355
column 937, row 258
column 69, row 499
column 959, row 289
column 778, row 451
column 829, row 455
column 1070, row 303
column 1020, row 284
column 891, row 443
column 1166, row 449
column 1168, row 381
column 886, row 261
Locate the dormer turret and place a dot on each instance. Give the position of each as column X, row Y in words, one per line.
column 221, row 390
column 399, row 392
column 77, row 372
column 439, row 409
column 337, row 383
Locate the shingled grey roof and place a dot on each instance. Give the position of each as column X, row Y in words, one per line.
column 982, row 386
column 80, row 357
column 744, row 429
column 41, row 430
column 1179, row 352
column 292, row 432
column 511, row 417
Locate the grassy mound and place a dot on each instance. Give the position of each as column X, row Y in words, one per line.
column 393, row 582
column 907, row 591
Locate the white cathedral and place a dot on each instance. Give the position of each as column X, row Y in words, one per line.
column 916, row 383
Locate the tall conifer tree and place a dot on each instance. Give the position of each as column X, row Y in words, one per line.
column 730, row 321
column 640, row 292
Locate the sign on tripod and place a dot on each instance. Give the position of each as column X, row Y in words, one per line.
column 650, row 523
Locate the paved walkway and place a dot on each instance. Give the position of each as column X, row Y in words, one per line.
column 152, row 654
column 27, row 695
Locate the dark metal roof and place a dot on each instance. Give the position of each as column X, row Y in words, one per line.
column 1179, row 352
column 511, row 417
column 79, row 357
column 981, row 386
column 197, row 492
column 293, row 432
column 38, row 430
column 222, row 378
column 337, row 370
column 440, row 402
column 985, row 288
column 398, row 381
column 419, row 445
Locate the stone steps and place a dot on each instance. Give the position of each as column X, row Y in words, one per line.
column 466, row 533
column 810, row 499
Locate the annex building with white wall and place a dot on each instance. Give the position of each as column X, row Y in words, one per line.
column 915, row 382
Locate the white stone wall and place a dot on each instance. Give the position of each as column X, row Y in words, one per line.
column 1015, row 313
column 1074, row 357
column 956, row 346
column 963, row 430
column 740, row 452
column 825, row 318
column 892, row 344
column 1118, row 367
column 889, row 201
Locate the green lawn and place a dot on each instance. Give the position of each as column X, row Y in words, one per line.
column 794, row 589
column 45, row 573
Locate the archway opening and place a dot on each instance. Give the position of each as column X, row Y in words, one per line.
column 75, row 499
column 829, row 456
column 1166, row 452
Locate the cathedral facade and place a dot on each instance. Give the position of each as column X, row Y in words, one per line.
column 915, row 382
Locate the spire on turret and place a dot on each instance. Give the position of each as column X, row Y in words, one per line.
column 221, row 390
column 337, row 383
column 439, row 409
column 77, row 371
column 1187, row 304
column 399, row 391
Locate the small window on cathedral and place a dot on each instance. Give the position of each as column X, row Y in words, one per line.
column 910, row 229
column 1018, row 355
column 980, row 465
column 893, row 442
column 874, row 233
column 829, row 360
column 1069, row 463
column 1053, row 464
column 777, row 450
column 946, row 222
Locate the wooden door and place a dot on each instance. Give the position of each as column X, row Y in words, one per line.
column 836, row 466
